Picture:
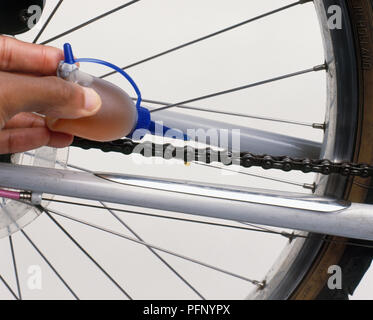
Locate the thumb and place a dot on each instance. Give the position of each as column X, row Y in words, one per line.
column 50, row 96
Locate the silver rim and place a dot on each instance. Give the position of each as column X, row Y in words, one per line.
column 338, row 145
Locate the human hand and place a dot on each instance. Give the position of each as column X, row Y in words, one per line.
column 27, row 85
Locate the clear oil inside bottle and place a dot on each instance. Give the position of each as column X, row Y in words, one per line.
column 116, row 118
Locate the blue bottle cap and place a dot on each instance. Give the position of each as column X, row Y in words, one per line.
column 68, row 52
column 144, row 122
column 143, row 118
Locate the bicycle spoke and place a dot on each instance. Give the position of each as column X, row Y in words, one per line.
column 285, row 234
column 48, row 21
column 252, row 174
column 364, row 186
column 8, row 287
column 90, row 21
column 224, row 169
column 189, row 43
column 248, row 86
column 242, row 115
column 254, row 282
column 294, row 183
column 49, row 264
column 86, row 253
column 15, row 266
column 153, row 252
column 153, row 215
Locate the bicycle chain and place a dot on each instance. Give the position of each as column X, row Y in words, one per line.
column 244, row 159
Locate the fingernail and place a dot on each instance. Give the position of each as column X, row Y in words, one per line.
column 92, row 99
column 51, row 122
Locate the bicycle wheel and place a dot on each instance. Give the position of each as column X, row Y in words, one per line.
column 301, row 272
column 355, row 260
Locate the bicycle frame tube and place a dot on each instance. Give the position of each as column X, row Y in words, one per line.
column 255, row 140
column 293, row 211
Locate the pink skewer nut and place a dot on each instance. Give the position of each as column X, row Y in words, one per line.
column 10, row 194
column 23, row 195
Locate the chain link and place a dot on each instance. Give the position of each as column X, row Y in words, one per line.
column 244, row 159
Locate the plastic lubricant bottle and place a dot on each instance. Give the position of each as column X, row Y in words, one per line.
column 118, row 116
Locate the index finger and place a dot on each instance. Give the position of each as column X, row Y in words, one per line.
column 19, row 56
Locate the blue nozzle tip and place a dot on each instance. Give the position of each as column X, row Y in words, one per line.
column 68, row 51
column 144, row 121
